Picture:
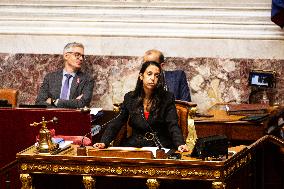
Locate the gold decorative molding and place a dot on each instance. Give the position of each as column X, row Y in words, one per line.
column 124, row 171
column 237, row 165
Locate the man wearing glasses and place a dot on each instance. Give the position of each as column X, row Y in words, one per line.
column 69, row 87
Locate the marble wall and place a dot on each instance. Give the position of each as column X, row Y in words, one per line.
column 211, row 80
column 215, row 42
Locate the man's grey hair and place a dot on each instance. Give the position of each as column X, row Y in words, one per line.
column 69, row 46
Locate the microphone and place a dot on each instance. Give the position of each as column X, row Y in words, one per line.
column 95, row 130
column 81, row 150
column 82, row 142
column 54, row 120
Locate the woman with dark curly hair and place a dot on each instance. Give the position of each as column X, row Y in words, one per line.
column 150, row 111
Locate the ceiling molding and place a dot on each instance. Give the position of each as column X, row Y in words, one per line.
column 130, row 18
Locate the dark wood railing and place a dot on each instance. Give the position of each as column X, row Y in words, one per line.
column 5, row 174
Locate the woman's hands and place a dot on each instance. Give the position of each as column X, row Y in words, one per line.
column 183, row 148
column 99, row 145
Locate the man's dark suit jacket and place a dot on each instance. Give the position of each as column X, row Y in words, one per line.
column 177, row 84
column 165, row 124
column 277, row 12
column 51, row 88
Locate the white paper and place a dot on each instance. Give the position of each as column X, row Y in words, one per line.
column 94, row 111
column 65, row 144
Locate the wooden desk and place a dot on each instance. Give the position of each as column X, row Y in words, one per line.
column 219, row 173
column 250, row 168
column 231, row 126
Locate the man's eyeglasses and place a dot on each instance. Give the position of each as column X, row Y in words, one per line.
column 77, row 55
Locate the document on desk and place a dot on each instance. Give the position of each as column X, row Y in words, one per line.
column 95, row 111
column 65, row 144
column 62, row 145
column 152, row 149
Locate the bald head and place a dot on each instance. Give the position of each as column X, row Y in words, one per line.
column 153, row 56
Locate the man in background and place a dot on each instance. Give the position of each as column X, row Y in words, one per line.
column 68, row 87
column 175, row 80
column 277, row 12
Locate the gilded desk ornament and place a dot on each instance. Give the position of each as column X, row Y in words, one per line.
column 168, row 172
column 218, row 185
column 134, row 171
column 112, row 170
column 183, row 173
column 85, row 109
column 24, row 167
column 26, row 180
column 151, row 172
column 217, row 174
column 152, row 183
column 89, row 182
column 55, row 168
column 45, row 144
column 86, row 169
column 119, row 171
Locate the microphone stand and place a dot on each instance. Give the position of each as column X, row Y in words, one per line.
column 160, row 152
column 81, row 150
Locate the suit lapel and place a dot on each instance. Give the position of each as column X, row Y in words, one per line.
column 168, row 79
column 58, row 81
column 75, row 84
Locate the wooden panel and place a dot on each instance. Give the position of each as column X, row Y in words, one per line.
column 121, row 153
column 17, row 134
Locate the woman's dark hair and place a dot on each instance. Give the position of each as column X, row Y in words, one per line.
column 158, row 92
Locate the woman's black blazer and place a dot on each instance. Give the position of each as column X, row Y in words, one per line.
column 165, row 124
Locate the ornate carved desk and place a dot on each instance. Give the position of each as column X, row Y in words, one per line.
column 219, row 173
